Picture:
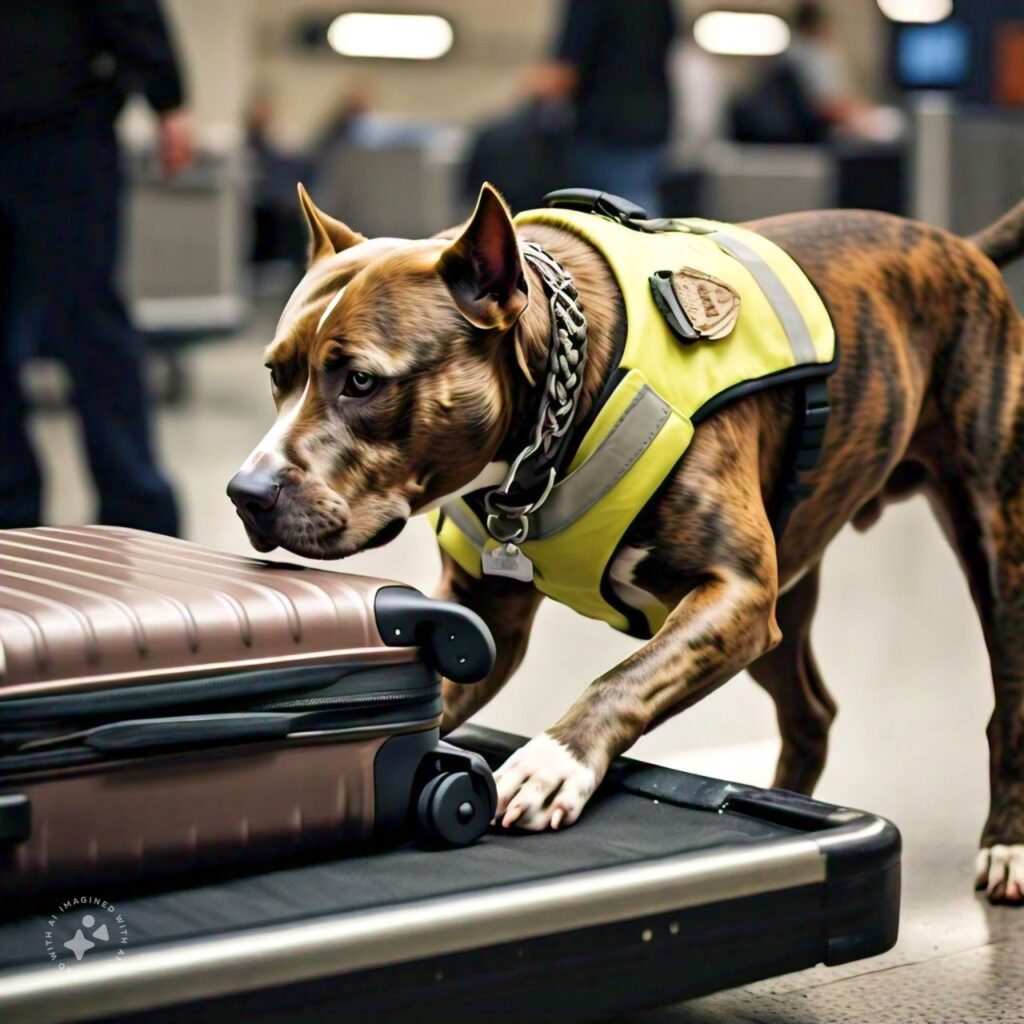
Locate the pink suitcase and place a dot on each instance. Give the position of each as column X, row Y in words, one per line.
column 164, row 707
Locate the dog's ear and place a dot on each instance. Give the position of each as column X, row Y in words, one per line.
column 326, row 235
column 482, row 268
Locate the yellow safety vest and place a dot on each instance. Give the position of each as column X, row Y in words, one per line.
column 665, row 387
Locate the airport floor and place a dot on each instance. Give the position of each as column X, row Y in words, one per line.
column 898, row 643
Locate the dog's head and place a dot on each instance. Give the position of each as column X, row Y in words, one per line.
column 392, row 368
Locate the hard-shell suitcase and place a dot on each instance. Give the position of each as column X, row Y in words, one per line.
column 164, row 706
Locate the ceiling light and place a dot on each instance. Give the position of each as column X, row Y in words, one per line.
column 921, row 12
column 740, row 33
column 401, row 36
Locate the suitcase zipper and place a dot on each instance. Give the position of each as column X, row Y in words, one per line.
column 133, row 700
column 187, row 693
column 351, row 700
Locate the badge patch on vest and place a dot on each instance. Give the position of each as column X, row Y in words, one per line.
column 509, row 561
column 695, row 305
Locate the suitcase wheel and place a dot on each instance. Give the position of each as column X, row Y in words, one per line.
column 454, row 809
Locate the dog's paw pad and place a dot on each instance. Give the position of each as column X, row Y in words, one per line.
column 542, row 786
column 999, row 870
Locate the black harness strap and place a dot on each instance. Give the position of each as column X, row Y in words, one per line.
column 809, row 432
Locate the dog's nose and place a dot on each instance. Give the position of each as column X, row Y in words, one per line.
column 254, row 492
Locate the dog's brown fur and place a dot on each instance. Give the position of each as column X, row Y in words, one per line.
column 927, row 398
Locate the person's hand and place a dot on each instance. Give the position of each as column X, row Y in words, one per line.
column 176, row 143
column 554, row 80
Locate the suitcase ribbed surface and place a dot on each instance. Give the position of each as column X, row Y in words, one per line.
column 88, row 607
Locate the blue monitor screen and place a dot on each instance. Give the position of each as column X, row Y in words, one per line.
column 933, row 56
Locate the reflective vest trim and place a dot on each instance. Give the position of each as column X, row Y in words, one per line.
column 775, row 291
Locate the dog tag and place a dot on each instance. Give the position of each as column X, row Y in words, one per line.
column 507, row 560
column 711, row 306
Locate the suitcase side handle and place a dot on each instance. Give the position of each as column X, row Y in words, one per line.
column 15, row 819
column 455, row 641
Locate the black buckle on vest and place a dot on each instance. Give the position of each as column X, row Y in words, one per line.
column 665, row 299
column 590, row 200
column 806, row 450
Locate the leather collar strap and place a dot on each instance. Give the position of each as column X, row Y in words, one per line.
column 533, row 471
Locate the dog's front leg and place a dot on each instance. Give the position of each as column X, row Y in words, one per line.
column 723, row 624
column 508, row 607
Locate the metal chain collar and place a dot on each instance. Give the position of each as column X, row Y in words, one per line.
column 508, row 523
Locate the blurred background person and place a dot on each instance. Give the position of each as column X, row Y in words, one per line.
column 610, row 60
column 525, row 150
column 818, row 65
column 65, row 71
column 820, row 69
column 805, row 96
column 277, row 231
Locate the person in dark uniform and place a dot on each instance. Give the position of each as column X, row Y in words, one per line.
column 65, row 69
column 611, row 60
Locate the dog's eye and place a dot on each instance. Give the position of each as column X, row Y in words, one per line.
column 360, row 383
column 275, row 377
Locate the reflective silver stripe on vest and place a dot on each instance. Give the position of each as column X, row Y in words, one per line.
column 582, row 489
column 628, row 439
column 777, row 293
column 463, row 518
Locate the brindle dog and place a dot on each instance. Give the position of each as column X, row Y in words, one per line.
column 404, row 371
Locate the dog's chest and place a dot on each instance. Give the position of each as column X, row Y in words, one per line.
column 622, row 575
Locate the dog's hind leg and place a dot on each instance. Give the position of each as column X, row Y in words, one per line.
column 803, row 705
column 991, row 550
column 1001, row 860
column 977, row 491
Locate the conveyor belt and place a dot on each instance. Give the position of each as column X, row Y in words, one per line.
column 730, row 882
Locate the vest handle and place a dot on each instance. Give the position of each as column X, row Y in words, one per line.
column 590, row 200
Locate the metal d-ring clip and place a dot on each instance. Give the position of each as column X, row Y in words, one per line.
column 497, row 514
column 527, row 510
column 508, row 530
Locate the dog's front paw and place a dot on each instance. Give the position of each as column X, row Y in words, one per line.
column 1000, row 872
column 542, row 786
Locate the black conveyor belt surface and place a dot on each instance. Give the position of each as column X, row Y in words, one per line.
column 618, row 828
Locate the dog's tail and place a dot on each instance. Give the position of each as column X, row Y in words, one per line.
column 1003, row 241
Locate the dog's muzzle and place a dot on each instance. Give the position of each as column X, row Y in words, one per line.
column 254, row 493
